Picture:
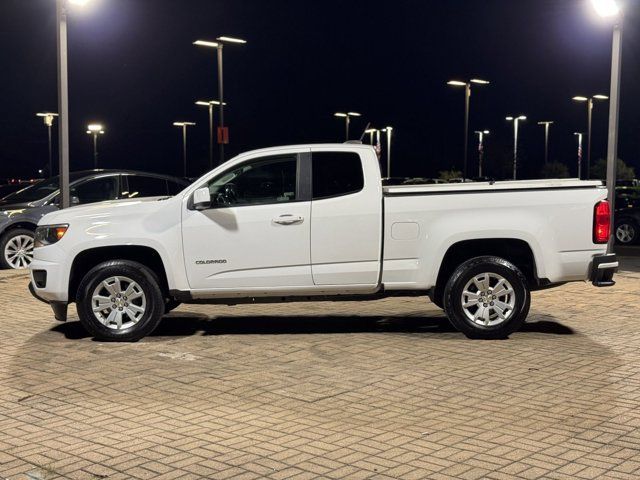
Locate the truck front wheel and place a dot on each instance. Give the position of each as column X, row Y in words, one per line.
column 487, row 297
column 120, row 300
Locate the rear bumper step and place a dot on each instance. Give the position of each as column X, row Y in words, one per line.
column 602, row 270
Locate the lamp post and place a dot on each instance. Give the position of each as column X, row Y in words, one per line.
column 481, row 134
column 371, row 131
column 546, row 124
column 467, row 106
column 388, row 130
column 579, row 135
column 48, row 118
column 610, row 9
column 516, row 121
column 184, row 126
column 347, row 120
column 209, row 104
column 94, row 130
column 219, row 46
column 589, row 102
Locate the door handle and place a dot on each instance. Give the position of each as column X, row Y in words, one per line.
column 288, row 219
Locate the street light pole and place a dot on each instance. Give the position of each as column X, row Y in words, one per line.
column 63, row 102
column 590, row 102
column 48, row 118
column 219, row 45
column 579, row 135
column 467, row 107
column 209, row 104
column 95, row 130
column 221, row 97
column 347, row 121
column 184, row 126
column 614, row 115
column 515, row 121
column 546, row 140
column 481, row 135
column 388, row 130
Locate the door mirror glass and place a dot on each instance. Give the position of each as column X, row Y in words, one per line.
column 201, row 199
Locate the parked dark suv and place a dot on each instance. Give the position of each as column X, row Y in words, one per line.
column 21, row 211
column 627, row 216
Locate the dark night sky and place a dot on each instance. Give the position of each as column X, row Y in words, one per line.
column 134, row 68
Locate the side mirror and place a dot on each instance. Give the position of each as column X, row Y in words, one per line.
column 201, row 199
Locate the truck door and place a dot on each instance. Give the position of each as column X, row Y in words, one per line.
column 346, row 218
column 257, row 232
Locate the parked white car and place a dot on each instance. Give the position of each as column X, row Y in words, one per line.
column 311, row 223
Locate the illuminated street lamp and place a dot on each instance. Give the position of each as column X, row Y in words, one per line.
column 209, row 104
column 347, row 120
column 63, row 97
column 371, row 131
column 579, row 135
column 388, row 130
column 48, row 118
column 184, row 126
column 481, row 134
column 589, row 101
column 467, row 105
column 610, row 9
column 219, row 45
column 546, row 124
column 94, row 130
column 516, row 121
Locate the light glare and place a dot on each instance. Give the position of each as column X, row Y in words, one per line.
column 206, row 43
column 606, row 8
column 231, row 39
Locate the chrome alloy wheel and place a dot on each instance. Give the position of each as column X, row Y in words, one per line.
column 625, row 233
column 118, row 302
column 18, row 252
column 488, row 299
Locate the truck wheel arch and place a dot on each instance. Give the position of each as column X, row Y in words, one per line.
column 87, row 259
column 516, row 251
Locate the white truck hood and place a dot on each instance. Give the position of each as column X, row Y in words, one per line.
column 107, row 210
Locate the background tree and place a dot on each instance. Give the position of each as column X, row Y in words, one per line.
column 625, row 172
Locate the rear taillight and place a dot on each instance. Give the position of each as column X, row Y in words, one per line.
column 601, row 222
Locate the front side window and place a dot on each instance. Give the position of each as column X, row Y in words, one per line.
column 264, row 181
column 336, row 174
column 141, row 186
column 98, row 190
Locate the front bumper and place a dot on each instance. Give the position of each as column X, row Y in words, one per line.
column 59, row 308
column 602, row 269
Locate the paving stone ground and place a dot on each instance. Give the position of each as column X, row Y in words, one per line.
column 378, row 390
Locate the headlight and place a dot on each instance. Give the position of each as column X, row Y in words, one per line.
column 49, row 234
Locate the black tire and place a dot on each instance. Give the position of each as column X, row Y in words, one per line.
column 171, row 304
column 155, row 304
column 632, row 232
column 465, row 273
column 5, row 239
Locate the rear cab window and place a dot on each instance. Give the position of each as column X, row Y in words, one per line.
column 336, row 174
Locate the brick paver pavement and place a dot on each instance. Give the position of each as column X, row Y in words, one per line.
column 380, row 390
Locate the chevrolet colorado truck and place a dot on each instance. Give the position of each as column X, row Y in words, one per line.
column 314, row 223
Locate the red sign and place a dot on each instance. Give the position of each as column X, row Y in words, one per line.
column 223, row 135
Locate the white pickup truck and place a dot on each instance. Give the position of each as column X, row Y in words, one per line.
column 313, row 223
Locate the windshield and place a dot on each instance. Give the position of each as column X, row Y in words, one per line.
column 39, row 190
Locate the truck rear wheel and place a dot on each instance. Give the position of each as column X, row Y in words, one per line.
column 487, row 297
column 120, row 300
